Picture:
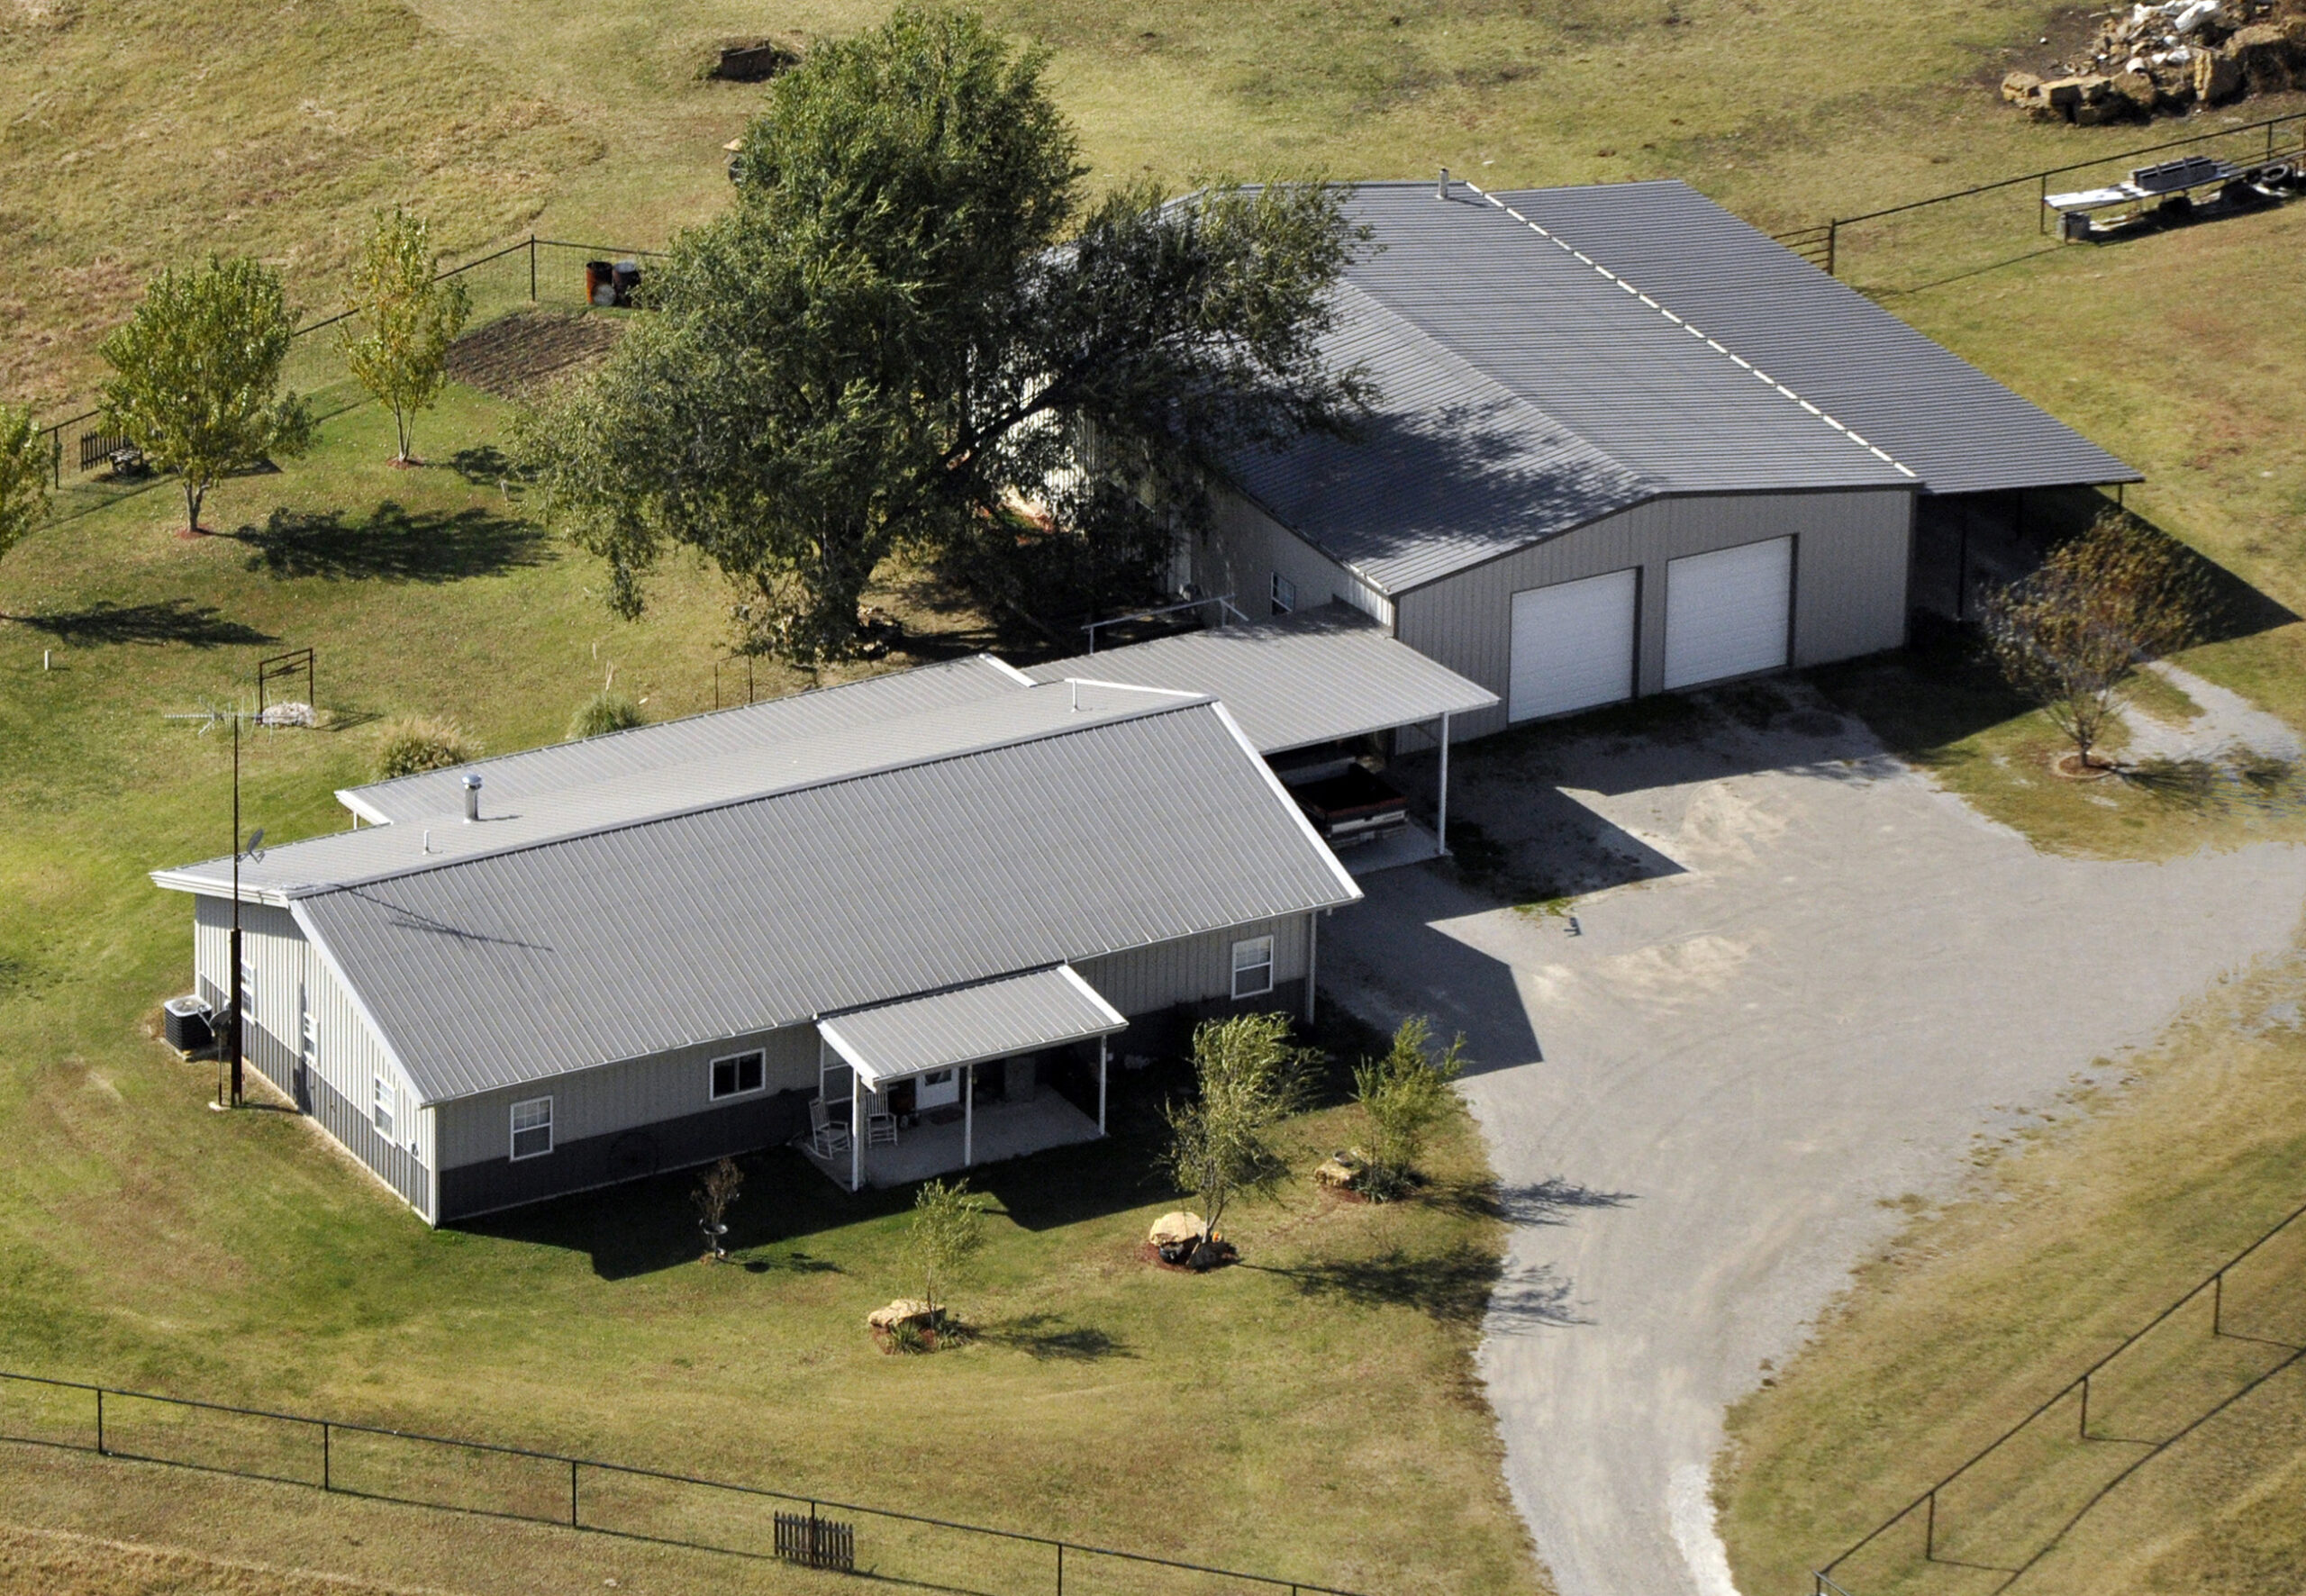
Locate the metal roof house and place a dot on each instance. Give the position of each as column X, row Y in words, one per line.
column 922, row 903
column 1623, row 443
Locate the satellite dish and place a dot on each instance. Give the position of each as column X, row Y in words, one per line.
column 256, row 844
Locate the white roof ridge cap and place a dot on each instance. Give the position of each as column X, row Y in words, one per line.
column 1555, row 238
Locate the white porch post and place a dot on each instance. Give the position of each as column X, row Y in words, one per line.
column 855, row 1129
column 1441, row 819
column 968, row 1115
column 1101, row 1083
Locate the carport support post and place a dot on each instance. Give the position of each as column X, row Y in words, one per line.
column 968, row 1115
column 1442, row 805
column 855, row 1129
column 1100, row 1084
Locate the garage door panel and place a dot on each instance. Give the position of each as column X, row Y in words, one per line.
column 1573, row 645
column 1729, row 613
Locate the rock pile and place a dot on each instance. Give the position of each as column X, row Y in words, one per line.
column 2171, row 56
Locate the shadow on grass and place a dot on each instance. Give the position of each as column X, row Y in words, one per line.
column 1453, row 1286
column 169, row 620
column 393, row 544
column 1048, row 1338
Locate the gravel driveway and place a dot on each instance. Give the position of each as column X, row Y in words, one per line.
column 1817, row 980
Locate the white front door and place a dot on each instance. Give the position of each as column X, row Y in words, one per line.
column 1573, row 645
column 1729, row 613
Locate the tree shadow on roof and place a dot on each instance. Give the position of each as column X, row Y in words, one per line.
column 392, row 544
column 168, row 620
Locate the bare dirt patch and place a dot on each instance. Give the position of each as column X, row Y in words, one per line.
column 524, row 353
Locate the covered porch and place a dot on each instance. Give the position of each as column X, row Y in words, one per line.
column 949, row 1080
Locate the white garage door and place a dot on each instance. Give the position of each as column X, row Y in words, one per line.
column 1727, row 613
column 1573, row 645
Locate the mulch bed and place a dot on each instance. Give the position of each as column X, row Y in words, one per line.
column 519, row 355
column 1152, row 1255
column 2069, row 767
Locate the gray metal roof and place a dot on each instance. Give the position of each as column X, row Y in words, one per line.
column 1548, row 356
column 1105, row 833
column 1960, row 429
column 346, row 859
column 970, row 1024
column 511, row 780
column 1297, row 680
column 1450, row 469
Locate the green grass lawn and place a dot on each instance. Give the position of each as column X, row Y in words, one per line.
column 1289, row 1409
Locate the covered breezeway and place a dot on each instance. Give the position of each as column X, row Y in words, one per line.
column 1314, row 693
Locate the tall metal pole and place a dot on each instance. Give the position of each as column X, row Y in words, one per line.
column 238, row 987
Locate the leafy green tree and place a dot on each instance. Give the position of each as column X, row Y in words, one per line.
column 908, row 326
column 1405, row 1094
column 2073, row 635
column 196, row 376
column 411, row 321
column 23, row 477
column 947, row 1230
column 1221, row 1144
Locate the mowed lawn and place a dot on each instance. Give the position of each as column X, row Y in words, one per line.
column 1277, row 1416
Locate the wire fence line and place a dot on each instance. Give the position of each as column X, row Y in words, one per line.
column 2076, row 1392
column 535, row 253
column 591, row 1495
column 1825, row 244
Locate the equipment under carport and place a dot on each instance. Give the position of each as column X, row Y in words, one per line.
column 1349, row 803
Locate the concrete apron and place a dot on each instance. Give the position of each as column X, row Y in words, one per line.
column 1700, row 1092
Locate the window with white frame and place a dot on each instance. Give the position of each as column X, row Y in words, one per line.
column 386, row 1101
column 1284, row 594
column 1253, row 968
column 738, row 1076
column 532, row 1128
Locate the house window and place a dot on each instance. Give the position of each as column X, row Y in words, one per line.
column 937, row 1089
column 384, row 1110
column 1284, row 594
column 737, row 1076
column 1253, row 968
column 532, row 1128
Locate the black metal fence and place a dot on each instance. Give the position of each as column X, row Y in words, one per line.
column 530, row 271
column 592, row 1496
column 1999, row 1515
column 1870, row 243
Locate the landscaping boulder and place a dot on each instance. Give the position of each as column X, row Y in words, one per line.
column 1342, row 1170
column 2140, row 92
column 1172, row 1229
column 904, row 1311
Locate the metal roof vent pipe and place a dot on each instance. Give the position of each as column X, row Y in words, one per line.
column 1442, row 191
column 472, row 796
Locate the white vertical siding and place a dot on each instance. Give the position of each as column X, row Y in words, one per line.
column 1851, row 550
column 1244, row 547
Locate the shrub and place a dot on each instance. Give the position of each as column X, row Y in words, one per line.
column 1403, row 1093
column 1221, row 1144
column 416, row 743
column 947, row 1231
column 606, row 711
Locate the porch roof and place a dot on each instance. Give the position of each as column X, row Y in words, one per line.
column 969, row 1024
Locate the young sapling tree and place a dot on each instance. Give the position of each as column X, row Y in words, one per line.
column 410, row 320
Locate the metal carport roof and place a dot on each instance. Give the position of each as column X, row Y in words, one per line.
column 970, row 1024
column 1292, row 682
